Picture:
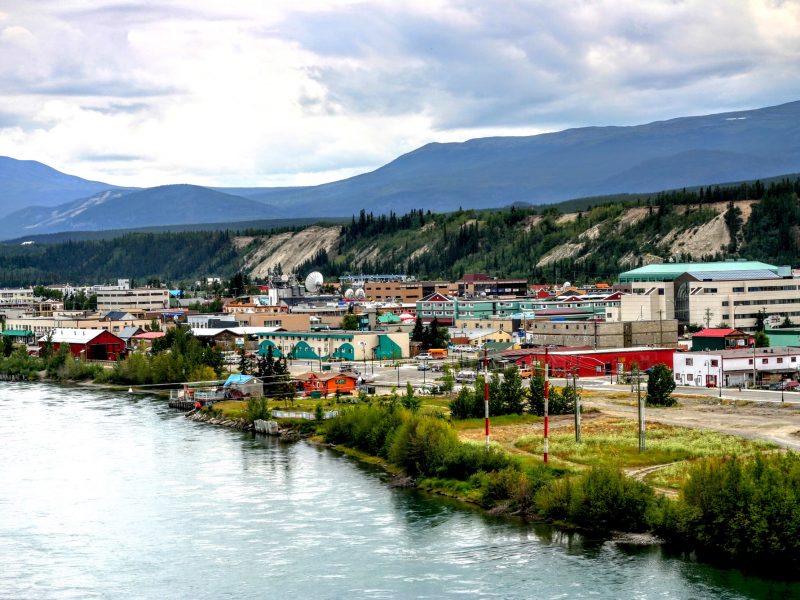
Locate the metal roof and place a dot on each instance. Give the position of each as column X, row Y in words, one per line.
column 717, row 332
column 665, row 271
column 734, row 275
column 74, row 336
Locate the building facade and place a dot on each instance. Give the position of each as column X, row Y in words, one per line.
column 745, row 367
column 714, row 294
column 121, row 298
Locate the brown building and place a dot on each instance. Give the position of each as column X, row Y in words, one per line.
column 404, row 291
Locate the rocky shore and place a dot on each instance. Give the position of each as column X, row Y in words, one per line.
column 258, row 426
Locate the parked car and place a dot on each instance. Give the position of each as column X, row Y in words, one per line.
column 466, row 376
column 427, row 390
column 423, row 367
column 424, row 356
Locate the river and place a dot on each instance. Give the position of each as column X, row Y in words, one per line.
column 106, row 495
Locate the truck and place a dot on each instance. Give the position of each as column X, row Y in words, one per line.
column 438, row 352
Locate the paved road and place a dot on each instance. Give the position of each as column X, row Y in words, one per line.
column 688, row 390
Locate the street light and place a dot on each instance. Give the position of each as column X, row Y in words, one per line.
column 364, row 354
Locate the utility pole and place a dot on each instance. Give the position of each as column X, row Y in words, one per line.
column 546, row 399
column 486, row 393
column 641, row 410
column 577, row 405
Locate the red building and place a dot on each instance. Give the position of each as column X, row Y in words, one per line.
column 591, row 363
column 92, row 344
column 327, row 384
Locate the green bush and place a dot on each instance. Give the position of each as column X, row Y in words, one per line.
column 78, row 370
column 741, row 510
column 518, row 488
column 421, row 446
column 602, row 498
column 258, row 409
column 21, row 365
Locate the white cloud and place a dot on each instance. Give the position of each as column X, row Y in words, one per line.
column 281, row 92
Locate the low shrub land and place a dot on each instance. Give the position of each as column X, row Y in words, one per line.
column 740, row 502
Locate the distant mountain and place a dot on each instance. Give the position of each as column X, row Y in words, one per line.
column 480, row 173
column 122, row 209
column 25, row 183
column 590, row 161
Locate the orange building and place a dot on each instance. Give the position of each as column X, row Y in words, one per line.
column 327, row 384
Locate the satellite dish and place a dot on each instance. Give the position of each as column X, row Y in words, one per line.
column 314, row 281
column 348, row 295
column 360, row 294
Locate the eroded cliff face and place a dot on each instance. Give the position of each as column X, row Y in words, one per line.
column 701, row 237
column 289, row 249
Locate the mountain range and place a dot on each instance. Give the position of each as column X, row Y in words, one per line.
column 479, row 173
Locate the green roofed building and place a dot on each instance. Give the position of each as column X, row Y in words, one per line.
column 749, row 269
column 726, row 294
column 19, row 336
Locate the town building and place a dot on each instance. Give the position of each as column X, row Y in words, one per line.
column 123, row 297
column 404, row 291
column 719, row 339
column 114, row 322
column 481, row 284
column 714, row 294
column 346, row 345
column 785, row 336
column 585, row 362
column 16, row 295
column 326, row 383
column 91, row 344
column 599, row 334
column 745, row 367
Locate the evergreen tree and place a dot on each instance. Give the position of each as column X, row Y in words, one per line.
column 660, row 385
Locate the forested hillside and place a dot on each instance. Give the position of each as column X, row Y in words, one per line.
column 748, row 220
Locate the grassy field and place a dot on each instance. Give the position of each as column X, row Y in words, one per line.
column 614, row 443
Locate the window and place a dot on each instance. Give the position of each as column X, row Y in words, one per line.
column 764, row 361
column 780, row 360
column 749, row 361
column 689, row 362
column 714, row 363
column 794, row 359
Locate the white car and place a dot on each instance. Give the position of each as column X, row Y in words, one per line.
column 424, row 356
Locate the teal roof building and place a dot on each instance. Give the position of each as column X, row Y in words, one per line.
column 705, row 271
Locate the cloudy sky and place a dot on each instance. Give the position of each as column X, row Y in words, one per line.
column 296, row 92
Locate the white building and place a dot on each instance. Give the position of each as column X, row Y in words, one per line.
column 16, row 295
column 713, row 294
column 736, row 367
column 120, row 297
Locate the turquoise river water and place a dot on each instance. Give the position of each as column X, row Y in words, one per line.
column 105, row 495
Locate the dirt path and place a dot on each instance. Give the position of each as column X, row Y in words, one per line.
column 772, row 422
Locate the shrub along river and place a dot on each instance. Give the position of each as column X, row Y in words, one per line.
column 108, row 495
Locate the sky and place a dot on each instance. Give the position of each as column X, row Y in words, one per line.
column 301, row 92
